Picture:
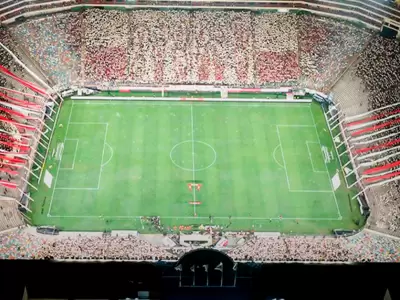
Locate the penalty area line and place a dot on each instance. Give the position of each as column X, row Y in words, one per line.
column 59, row 163
column 326, row 167
column 76, row 150
column 311, row 160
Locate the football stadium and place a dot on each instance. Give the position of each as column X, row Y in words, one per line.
column 143, row 131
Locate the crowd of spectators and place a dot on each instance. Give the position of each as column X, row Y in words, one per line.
column 5, row 59
column 379, row 71
column 293, row 249
column 54, row 43
column 361, row 247
column 388, row 208
column 326, row 49
column 104, row 247
column 370, row 12
column 191, row 47
column 20, row 245
column 211, row 47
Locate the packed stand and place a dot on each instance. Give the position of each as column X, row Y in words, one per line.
column 232, row 48
column 221, row 47
column 362, row 247
column 9, row 216
column 327, row 47
column 276, row 48
column 191, row 47
column 379, row 71
column 5, row 59
column 54, row 42
column 20, row 245
column 388, row 209
column 158, row 47
column 105, row 247
column 368, row 247
column 379, row 68
column 105, row 45
column 292, row 249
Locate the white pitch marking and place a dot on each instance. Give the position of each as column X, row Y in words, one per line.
column 76, row 150
column 101, row 165
column 193, row 162
column 273, row 155
column 71, row 188
column 88, row 123
column 59, row 164
column 310, row 156
column 291, row 125
column 326, row 167
column 310, row 191
column 283, row 157
column 112, row 154
column 102, row 156
column 187, row 169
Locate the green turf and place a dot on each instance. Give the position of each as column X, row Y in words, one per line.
column 256, row 162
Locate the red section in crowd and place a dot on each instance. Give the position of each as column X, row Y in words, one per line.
column 9, row 171
column 381, row 168
column 375, row 127
column 18, row 125
column 23, row 82
column 380, row 146
column 386, row 176
column 8, row 184
column 376, row 117
column 22, row 103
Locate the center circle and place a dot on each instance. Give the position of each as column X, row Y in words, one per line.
column 202, row 158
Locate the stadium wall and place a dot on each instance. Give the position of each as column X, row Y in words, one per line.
column 288, row 93
column 368, row 13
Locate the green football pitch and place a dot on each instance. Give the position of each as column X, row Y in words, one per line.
column 250, row 166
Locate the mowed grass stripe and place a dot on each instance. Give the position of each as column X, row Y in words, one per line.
column 271, row 173
column 140, row 179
